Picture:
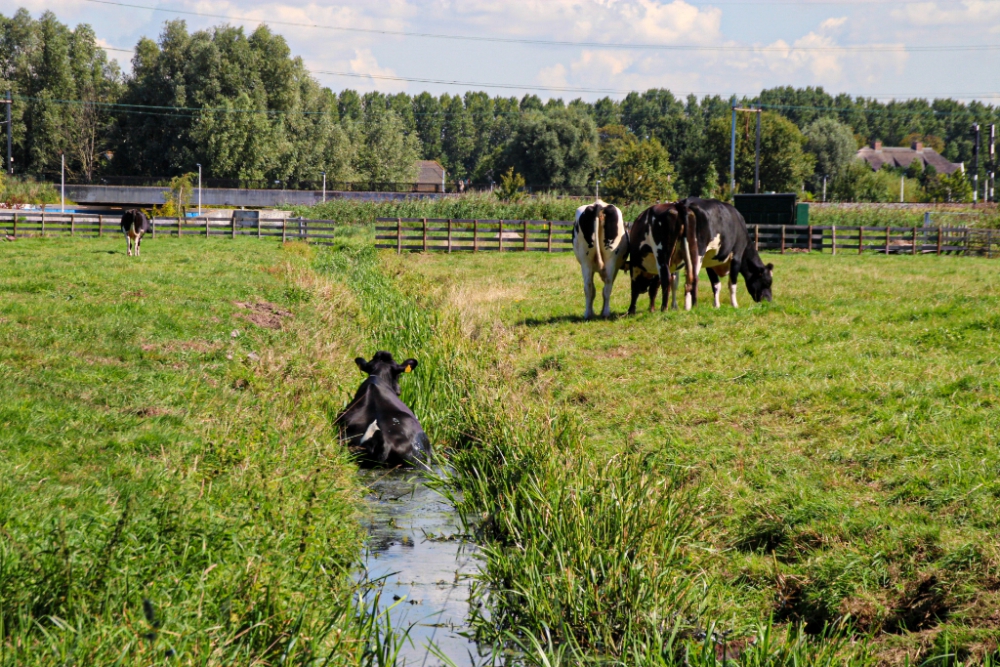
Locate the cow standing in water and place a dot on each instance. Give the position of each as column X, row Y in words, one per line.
column 715, row 237
column 601, row 246
column 134, row 225
column 378, row 421
column 652, row 238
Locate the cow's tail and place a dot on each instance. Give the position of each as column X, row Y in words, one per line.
column 599, row 237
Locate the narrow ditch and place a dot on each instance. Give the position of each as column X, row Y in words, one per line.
column 417, row 550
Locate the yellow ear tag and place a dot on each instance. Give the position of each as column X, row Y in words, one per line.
column 407, row 369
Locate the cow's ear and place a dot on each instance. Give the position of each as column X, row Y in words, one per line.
column 769, row 267
column 409, row 365
column 362, row 364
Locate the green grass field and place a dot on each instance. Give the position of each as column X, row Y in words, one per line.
column 171, row 483
column 840, row 444
column 819, row 474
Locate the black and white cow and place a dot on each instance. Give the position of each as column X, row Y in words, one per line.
column 379, row 422
column 652, row 240
column 134, row 225
column 601, row 246
column 716, row 238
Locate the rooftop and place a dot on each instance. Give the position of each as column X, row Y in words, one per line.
column 900, row 156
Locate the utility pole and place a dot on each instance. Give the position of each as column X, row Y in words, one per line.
column 756, row 157
column 324, row 187
column 199, row 190
column 732, row 152
column 62, row 183
column 10, row 131
column 824, row 188
column 975, row 165
column 597, row 191
column 991, row 151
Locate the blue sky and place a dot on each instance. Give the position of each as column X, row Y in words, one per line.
column 764, row 44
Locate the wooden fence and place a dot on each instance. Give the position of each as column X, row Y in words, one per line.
column 443, row 235
column 29, row 223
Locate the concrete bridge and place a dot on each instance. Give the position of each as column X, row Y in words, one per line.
column 128, row 195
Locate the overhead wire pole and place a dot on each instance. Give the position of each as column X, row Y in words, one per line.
column 756, row 157
column 975, row 164
column 732, row 152
column 992, row 152
column 10, row 131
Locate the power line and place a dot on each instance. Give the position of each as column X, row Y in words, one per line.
column 865, row 48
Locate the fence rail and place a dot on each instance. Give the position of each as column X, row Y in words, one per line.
column 452, row 235
column 22, row 223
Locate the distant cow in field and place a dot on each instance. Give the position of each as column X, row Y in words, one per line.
column 654, row 254
column 134, row 225
column 601, row 247
column 715, row 237
column 379, row 422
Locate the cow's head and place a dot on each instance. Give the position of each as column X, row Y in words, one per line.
column 759, row 284
column 385, row 368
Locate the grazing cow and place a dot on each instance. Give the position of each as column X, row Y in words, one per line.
column 134, row 225
column 601, row 247
column 715, row 237
column 654, row 254
column 379, row 421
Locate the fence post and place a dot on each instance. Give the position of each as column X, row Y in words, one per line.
column 939, row 241
column 100, row 226
column 833, row 239
column 284, row 230
column 258, row 224
column 913, row 250
column 756, row 237
column 966, row 234
column 500, row 237
column 809, row 241
column 550, row 236
column 475, row 236
column 13, row 216
column 43, row 225
column 861, row 239
column 399, row 236
column 525, row 236
column 783, row 239
column 449, row 236
column 425, row 234
column 178, row 226
column 72, row 224
column 888, row 233
column 989, row 241
column 152, row 223
column 232, row 220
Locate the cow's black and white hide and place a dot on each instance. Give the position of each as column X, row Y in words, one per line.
column 716, row 239
column 134, row 225
column 652, row 239
column 601, row 246
column 378, row 423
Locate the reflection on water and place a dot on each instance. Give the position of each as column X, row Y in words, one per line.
column 415, row 543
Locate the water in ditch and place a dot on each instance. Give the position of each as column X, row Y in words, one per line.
column 416, row 546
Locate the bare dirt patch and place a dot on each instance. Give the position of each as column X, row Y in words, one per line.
column 150, row 412
column 263, row 314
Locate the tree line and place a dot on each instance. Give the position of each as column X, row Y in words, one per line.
column 246, row 109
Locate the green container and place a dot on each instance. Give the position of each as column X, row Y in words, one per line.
column 802, row 214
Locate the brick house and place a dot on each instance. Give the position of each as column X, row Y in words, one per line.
column 877, row 155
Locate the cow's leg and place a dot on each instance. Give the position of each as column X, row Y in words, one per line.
column 674, row 279
column 663, row 261
column 138, row 244
column 693, row 264
column 609, row 283
column 128, row 242
column 588, row 291
column 654, row 285
column 734, row 274
column 637, row 289
column 713, row 278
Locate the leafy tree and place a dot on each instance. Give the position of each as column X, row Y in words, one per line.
column 386, row 154
column 641, row 172
column 954, row 187
column 459, row 140
column 554, row 150
column 430, row 125
column 511, row 187
column 833, row 145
